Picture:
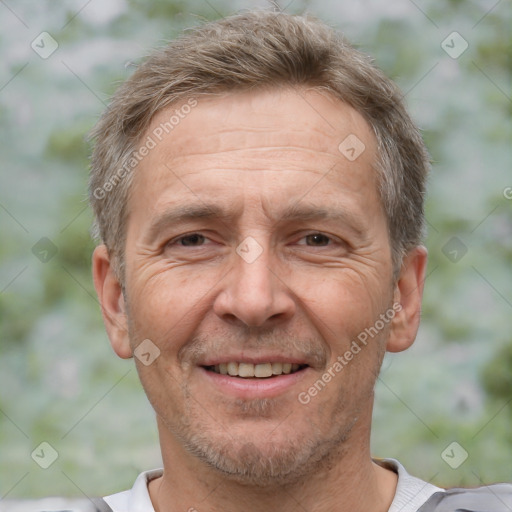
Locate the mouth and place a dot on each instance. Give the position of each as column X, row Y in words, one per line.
column 255, row 371
column 256, row 376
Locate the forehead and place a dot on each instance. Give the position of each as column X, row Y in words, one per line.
column 312, row 117
column 263, row 140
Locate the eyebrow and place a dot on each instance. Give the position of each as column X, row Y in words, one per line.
column 299, row 212
column 180, row 214
column 309, row 212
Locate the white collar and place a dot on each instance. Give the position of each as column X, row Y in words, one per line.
column 137, row 498
column 411, row 492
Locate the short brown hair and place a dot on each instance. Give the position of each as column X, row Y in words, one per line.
column 248, row 50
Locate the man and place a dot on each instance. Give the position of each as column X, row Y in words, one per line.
column 258, row 191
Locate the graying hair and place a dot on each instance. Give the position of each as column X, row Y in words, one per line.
column 258, row 49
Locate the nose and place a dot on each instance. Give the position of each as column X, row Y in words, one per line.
column 254, row 294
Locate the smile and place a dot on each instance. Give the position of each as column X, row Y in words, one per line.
column 255, row 371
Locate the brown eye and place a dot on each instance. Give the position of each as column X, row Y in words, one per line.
column 191, row 240
column 317, row 239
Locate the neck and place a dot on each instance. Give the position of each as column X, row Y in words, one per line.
column 348, row 481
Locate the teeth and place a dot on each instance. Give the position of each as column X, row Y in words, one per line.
column 277, row 368
column 249, row 370
column 263, row 370
column 245, row 370
column 233, row 369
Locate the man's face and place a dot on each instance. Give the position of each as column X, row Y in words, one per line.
column 254, row 243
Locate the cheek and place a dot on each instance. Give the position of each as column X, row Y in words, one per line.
column 343, row 304
column 167, row 308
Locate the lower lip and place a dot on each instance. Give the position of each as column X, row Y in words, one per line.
column 254, row 388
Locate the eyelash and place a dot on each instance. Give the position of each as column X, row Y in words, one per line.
column 183, row 237
column 176, row 241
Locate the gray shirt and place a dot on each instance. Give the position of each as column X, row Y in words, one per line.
column 411, row 492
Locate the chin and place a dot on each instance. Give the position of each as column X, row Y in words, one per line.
column 259, row 465
column 269, row 459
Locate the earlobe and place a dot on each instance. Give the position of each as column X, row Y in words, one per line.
column 111, row 300
column 408, row 293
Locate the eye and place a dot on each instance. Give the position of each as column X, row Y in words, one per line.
column 316, row 240
column 190, row 240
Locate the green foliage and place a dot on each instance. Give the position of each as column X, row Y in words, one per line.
column 159, row 9
column 497, row 375
column 68, row 144
column 62, row 382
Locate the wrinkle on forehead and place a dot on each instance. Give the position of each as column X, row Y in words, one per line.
column 261, row 147
column 310, row 122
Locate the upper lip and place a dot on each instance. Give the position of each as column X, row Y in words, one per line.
column 256, row 359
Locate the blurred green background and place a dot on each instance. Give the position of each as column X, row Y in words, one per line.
column 61, row 383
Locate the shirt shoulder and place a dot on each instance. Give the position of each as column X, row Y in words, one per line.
column 411, row 492
column 415, row 495
column 137, row 498
column 492, row 498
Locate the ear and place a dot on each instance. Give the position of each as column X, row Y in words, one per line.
column 408, row 293
column 111, row 300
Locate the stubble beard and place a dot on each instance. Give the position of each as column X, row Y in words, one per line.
column 267, row 464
